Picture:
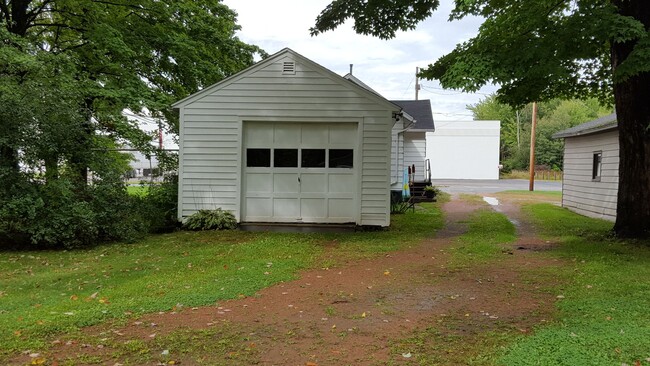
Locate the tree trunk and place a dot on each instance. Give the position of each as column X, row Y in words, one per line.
column 632, row 98
column 9, row 158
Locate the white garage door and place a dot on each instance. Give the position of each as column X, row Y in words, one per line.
column 299, row 172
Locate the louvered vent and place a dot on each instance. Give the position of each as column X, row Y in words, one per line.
column 289, row 68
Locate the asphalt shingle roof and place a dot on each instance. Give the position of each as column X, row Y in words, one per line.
column 420, row 110
column 597, row 125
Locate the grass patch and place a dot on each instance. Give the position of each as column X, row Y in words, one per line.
column 406, row 230
column 46, row 293
column 484, row 240
column 472, row 198
column 603, row 312
column 550, row 194
column 141, row 190
column 431, row 346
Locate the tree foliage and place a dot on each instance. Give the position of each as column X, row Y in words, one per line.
column 68, row 69
column 553, row 116
column 537, row 50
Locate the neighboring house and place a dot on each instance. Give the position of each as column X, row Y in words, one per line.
column 141, row 166
column 413, row 146
column 464, row 150
column 408, row 146
column 287, row 141
column 591, row 152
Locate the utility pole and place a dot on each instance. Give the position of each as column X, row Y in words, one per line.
column 531, row 186
column 417, row 82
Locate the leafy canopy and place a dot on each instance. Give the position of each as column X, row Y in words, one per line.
column 562, row 54
column 68, row 70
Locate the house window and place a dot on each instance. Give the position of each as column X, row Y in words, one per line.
column 258, row 158
column 341, row 158
column 597, row 166
column 313, row 158
column 285, row 158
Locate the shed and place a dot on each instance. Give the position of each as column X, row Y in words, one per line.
column 591, row 152
column 287, row 141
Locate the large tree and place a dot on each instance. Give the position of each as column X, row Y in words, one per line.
column 536, row 50
column 68, row 70
column 109, row 56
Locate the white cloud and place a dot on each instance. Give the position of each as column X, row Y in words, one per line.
column 388, row 66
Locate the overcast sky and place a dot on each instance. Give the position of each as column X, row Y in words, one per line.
column 386, row 66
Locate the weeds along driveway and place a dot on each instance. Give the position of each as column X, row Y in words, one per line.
column 443, row 301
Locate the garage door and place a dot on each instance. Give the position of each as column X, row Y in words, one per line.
column 299, row 172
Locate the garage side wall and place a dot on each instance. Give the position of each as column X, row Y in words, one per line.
column 211, row 132
column 582, row 194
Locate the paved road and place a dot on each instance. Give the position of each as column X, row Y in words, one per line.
column 492, row 186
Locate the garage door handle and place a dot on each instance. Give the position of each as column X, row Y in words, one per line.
column 299, row 180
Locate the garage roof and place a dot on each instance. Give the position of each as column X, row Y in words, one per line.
column 601, row 124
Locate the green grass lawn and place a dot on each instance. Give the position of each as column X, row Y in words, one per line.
column 550, row 194
column 484, row 240
column 604, row 310
column 45, row 293
column 140, row 190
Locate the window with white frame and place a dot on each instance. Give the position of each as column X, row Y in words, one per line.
column 597, row 163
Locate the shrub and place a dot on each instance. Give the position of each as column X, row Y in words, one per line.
column 211, row 220
column 160, row 206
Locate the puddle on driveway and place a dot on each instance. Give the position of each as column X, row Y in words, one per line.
column 495, row 205
column 491, row 201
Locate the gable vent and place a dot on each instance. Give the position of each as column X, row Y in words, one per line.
column 288, row 68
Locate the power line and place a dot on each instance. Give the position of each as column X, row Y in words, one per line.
column 408, row 87
column 454, row 92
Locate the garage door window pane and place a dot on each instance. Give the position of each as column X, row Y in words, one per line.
column 313, row 158
column 341, row 158
column 285, row 158
column 258, row 158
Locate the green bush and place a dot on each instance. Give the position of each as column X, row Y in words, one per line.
column 160, row 206
column 211, row 220
column 59, row 214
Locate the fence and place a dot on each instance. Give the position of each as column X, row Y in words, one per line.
column 539, row 175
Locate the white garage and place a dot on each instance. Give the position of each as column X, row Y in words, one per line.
column 287, row 141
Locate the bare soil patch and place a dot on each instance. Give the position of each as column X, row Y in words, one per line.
column 359, row 313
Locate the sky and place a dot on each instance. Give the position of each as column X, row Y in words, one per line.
column 386, row 66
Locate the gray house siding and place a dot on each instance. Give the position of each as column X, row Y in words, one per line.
column 212, row 122
column 579, row 192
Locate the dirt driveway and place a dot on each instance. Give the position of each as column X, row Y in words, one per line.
column 379, row 311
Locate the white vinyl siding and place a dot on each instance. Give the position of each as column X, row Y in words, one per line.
column 415, row 151
column 580, row 192
column 211, row 132
column 397, row 155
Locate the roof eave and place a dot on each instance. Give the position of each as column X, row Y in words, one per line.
column 586, row 132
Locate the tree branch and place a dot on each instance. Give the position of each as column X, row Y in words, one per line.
column 34, row 13
column 59, row 25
